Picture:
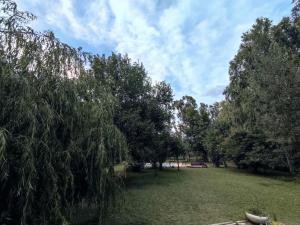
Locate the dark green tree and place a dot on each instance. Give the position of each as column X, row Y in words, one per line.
column 193, row 124
column 143, row 110
column 217, row 133
column 58, row 140
column 264, row 93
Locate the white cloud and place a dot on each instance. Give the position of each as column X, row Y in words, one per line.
column 189, row 43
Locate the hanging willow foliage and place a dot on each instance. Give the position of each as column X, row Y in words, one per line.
column 58, row 142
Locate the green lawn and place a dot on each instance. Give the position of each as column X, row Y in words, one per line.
column 201, row 197
column 205, row 196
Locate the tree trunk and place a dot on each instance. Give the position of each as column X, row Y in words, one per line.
column 160, row 166
column 177, row 158
column 289, row 163
column 155, row 168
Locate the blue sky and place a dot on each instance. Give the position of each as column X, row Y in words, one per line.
column 188, row 43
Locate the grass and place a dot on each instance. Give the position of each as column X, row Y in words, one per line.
column 119, row 167
column 205, row 196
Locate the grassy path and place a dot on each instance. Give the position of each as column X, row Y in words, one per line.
column 205, row 196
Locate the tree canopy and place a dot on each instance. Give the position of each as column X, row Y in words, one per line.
column 263, row 97
column 66, row 118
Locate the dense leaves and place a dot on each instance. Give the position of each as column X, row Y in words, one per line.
column 217, row 132
column 263, row 97
column 258, row 126
column 143, row 111
column 66, row 118
column 193, row 124
column 58, row 141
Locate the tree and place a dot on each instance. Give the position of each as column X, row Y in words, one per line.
column 204, row 122
column 217, row 133
column 264, row 92
column 193, row 124
column 133, row 91
column 176, row 147
column 143, row 110
column 161, row 115
column 58, row 141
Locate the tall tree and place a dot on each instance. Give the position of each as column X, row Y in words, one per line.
column 264, row 90
column 161, row 115
column 217, row 133
column 193, row 124
column 132, row 88
column 58, row 141
column 143, row 111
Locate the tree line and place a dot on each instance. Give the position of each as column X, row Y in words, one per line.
column 258, row 125
column 67, row 117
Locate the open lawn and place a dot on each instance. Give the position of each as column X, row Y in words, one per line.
column 205, row 196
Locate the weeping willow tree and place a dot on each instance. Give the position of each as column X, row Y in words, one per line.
column 58, row 142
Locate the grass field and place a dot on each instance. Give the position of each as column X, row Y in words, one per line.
column 202, row 197
column 205, row 196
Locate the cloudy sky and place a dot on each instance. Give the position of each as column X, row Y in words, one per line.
column 188, row 43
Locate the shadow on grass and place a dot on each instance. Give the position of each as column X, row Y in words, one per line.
column 112, row 221
column 84, row 215
column 275, row 175
column 146, row 178
column 118, row 222
column 90, row 218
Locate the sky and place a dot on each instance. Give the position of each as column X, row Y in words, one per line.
column 188, row 43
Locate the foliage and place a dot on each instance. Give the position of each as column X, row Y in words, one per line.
column 144, row 111
column 58, row 141
column 193, row 124
column 264, row 96
column 217, row 132
column 176, row 147
column 66, row 119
